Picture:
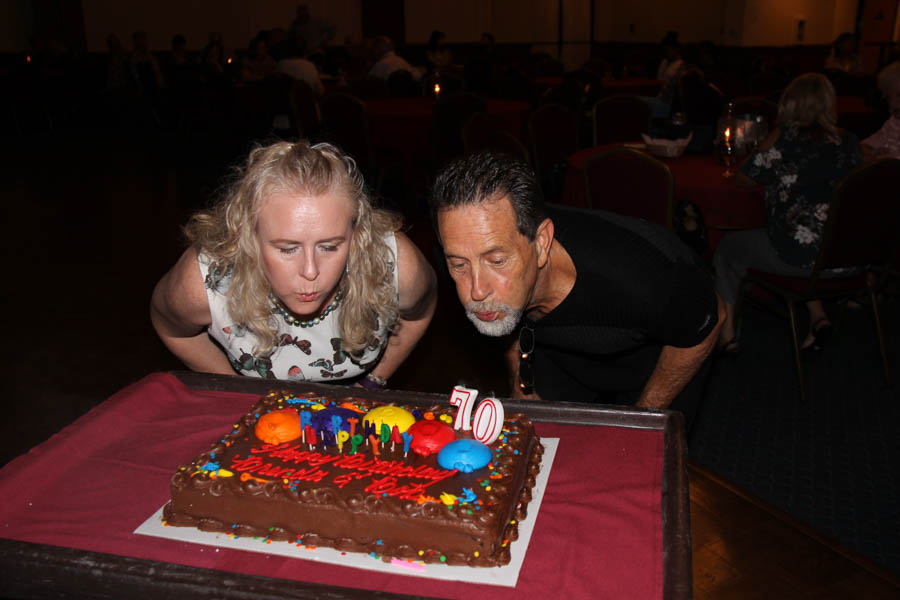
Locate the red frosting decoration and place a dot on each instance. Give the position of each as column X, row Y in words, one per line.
column 430, row 436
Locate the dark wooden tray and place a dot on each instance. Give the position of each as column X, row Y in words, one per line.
column 42, row 571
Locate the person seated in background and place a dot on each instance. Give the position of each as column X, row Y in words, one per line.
column 608, row 308
column 669, row 72
column 436, row 53
column 291, row 63
column 145, row 71
column 843, row 55
column 258, row 64
column 387, row 61
column 117, row 76
column 215, row 57
column 294, row 275
column 671, row 64
column 481, row 68
column 311, row 34
column 886, row 141
column 799, row 162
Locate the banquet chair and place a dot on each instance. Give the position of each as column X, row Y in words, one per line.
column 345, row 123
column 513, row 84
column 620, row 119
column 450, row 113
column 863, row 229
column 553, row 136
column 630, row 183
column 304, row 115
column 401, row 84
column 482, row 133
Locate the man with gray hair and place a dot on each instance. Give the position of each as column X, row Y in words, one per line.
column 608, row 308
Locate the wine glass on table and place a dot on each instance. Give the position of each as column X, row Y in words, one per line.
column 760, row 131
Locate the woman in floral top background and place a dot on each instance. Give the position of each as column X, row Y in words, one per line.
column 799, row 163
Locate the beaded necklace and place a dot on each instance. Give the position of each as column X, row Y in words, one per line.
column 290, row 319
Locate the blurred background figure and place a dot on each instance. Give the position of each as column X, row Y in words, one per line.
column 311, row 33
column 387, row 61
column 843, row 55
column 669, row 71
column 291, row 63
column 214, row 59
column 145, row 71
column 116, row 66
column 886, row 141
column 179, row 50
column 481, row 68
column 437, row 53
column 258, row 63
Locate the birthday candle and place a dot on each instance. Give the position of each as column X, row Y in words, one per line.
column 463, row 399
column 488, row 421
column 342, row 436
column 305, row 421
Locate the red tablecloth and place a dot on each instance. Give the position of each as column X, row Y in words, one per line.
column 598, row 535
column 698, row 179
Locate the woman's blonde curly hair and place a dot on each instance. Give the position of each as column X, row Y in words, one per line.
column 808, row 105
column 227, row 233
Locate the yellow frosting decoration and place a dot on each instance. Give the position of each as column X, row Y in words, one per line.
column 390, row 416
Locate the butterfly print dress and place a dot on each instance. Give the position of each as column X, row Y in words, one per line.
column 306, row 354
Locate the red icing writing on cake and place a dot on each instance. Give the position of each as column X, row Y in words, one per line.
column 359, row 466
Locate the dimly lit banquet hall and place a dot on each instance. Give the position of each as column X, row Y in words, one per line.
column 422, row 299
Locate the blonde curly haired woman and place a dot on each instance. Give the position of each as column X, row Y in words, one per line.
column 294, row 275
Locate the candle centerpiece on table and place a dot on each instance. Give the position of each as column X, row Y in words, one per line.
column 727, row 151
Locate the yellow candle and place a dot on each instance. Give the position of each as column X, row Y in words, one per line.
column 342, row 437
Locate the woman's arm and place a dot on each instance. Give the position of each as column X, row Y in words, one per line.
column 740, row 178
column 418, row 298
column 179, row 311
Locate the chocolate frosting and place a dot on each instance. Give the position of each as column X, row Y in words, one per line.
column 391, row 505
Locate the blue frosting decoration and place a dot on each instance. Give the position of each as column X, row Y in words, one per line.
column 466, row 455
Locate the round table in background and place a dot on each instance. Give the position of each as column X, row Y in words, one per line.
column 698, row 179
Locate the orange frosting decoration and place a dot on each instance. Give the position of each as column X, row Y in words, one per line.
column 279, row 426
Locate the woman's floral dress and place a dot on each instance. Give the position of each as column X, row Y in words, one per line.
column 800, row 172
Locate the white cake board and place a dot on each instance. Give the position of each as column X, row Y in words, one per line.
column 506, row 575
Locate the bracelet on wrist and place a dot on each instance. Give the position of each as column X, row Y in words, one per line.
column 373, row 382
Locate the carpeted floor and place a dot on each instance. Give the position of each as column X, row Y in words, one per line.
column 833, row 462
